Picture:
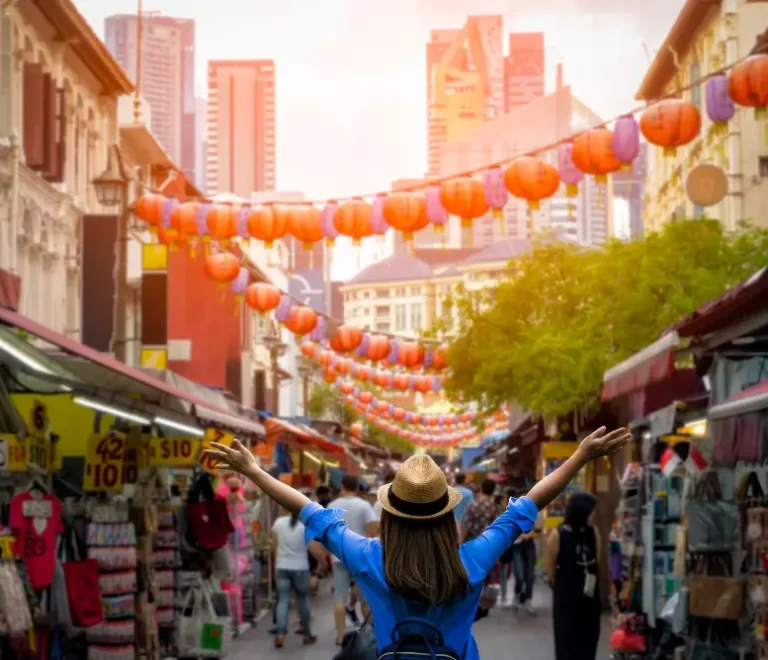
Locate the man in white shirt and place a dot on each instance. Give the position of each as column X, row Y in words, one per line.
column 358, row 515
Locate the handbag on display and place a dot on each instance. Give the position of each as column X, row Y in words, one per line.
column 713, row 593
column 207, row 516
column 201, row 633
column 82, row 582
column 713, row 524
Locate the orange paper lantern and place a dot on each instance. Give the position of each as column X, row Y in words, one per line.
column 671, row 124
column 346, row 388
column 410, row 354
column 398, row 414
column 406, row 212
column 262, row 297
column 440, row 357
column 304, row 223
column 378, row 347
column 353, row 219
column 184, row 220
column 382, row 406
column 222, row 267
column 347, row 339
column 221, row 221
column 356, row 430
column 381, row 378
column 343, row 366
column 532, row 179
column 301, row 320
column 748, row 84
column 308, row 349
column 267, row 225
column 464, row 197
column 365, row 397
column 149, row 208
column 400, row 382
column 593, row 154
column 170, row 237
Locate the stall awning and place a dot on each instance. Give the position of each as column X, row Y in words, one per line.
column 743, row 299
column 303, row 434
column 651, row 365
column 753, row 399
column 132, row 379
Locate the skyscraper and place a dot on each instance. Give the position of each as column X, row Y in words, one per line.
column 201, row 144
column 167, row 76
column 241, row 127
column 524, row 69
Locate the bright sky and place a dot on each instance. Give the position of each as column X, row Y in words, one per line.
column 351, row 74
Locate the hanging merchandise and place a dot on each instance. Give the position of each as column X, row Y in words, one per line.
column 201, row 633
column 207, row 516
column 81, row 578
column 14, row 606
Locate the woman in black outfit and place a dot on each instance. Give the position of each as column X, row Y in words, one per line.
column 571, row 560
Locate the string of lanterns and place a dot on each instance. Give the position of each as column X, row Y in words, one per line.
column 597, row 152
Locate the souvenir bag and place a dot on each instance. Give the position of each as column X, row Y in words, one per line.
column 14, row 607
column 712, row 523
column 207, row 516
column 713, row 593
column 752, row 498
column 201, row 633
column 82, row 581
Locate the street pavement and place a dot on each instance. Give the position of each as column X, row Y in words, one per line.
column 503, row 635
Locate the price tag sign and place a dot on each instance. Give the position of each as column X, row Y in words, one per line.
column 37, row 509
column 177, row 451
column 104, row 462
column 213, row 435
column 39, row 451
column 13, row 453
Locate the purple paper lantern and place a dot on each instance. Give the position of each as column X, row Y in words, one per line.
column 570, row 175
column 169, row 204
column 719, row 104
column 242, row 222
column 240, row 283
column 283, row 309
column 408, row 417
column 318, row 334
column 437, row 384
column 496, row 194
column 329, row 230
column 362, row 350
column 428, row 357
column 436, row 212
column 379, row 225
column 626, row 140
column 393, row 352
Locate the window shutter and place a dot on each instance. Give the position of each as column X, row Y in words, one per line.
column 57, row 121
column 34, row 115
column 50, row 143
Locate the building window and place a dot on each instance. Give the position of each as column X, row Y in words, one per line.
column 415, row 290
column 695, row 74
column 400, row 317
column 400, row 292
column 763, row 166
column 366, row 294
column 382, row 312
column 381, row 293
column 415, row 316
column 382, row 327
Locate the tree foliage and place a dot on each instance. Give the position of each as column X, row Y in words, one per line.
column 565, row 313
column 325, row 402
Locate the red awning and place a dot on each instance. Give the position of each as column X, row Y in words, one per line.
column 221, row 416
column 303, row 435
column 739, row 301
column 753, row 399
column 651, row 365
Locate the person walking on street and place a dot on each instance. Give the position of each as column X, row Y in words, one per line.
column 358, row 517
column 292, row 575
column 524, row 567
column 467, row 497
column 571, row 560
column 417, row 568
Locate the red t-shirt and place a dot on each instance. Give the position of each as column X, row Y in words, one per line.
column 36, row 538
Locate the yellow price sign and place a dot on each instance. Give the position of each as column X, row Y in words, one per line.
column 104, row 462
column 176, row 451
column 6, row 546
column 133, row 457
column 13, row 453
column 213, row 435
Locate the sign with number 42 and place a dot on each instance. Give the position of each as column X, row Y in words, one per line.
column 104, row 463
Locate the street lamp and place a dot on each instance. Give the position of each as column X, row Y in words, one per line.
column 276, row 349
column 112, row 191
column 306, row 369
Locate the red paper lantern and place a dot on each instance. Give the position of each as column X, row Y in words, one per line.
column 353, row 219
column 378, row 347
column 308, row 349
column 406, row 212
column 305, row 224
column 221, row 221
column 262, row 297
column 356, row 430
column 532, row 179
column 267, row 225
column 347, row 339
column 365, row 397
column 149, row 208
column 410, row 354
column 301, row 320
column 222, row 267
column 400, row 381
column 464, row 197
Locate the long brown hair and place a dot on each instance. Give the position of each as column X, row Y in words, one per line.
column 421, row 558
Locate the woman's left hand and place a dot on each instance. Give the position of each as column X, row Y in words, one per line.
column 236, row 458
column 602, row 444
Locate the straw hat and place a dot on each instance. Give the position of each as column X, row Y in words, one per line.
column 418, row 491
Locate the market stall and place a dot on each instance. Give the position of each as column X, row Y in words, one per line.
column 131, row 535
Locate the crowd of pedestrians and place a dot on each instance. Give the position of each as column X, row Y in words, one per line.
column 570, row 558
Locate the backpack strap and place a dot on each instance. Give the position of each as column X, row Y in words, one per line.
column 404, row 615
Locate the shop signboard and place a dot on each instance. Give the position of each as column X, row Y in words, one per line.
column 13, row 453
column 38, row 441
column 135, row 455
column 212, row 435
column 174, row 451
column 7, row 543
column 104, row 462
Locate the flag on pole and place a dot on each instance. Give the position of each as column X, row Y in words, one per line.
column 670, row 461
column 695, row 462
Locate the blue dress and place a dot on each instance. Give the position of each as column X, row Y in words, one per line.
column 363, row 558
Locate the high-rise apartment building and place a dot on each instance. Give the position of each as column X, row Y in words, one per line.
column 201, row 145
column 241, row 127
column 166, row 77
column 524, row 69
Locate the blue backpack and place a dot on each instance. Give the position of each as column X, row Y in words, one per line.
column 416, row 638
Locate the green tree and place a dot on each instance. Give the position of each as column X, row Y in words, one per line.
column 325, row 402
column 565, row 314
